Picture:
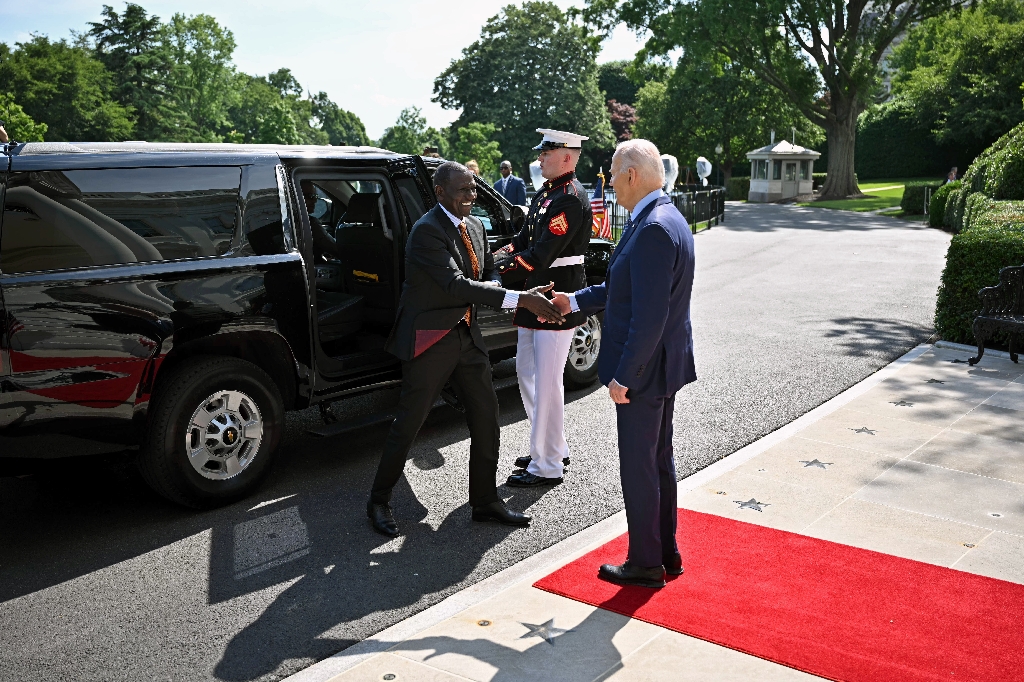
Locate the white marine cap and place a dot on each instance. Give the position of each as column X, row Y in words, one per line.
column 559, row 139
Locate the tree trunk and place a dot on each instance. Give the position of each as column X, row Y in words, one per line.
column 726, row 172
column 842, row 138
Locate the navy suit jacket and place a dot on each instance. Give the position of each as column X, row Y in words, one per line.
column 647, row 344
column 515, row 191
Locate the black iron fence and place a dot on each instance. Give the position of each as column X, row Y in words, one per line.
column 701, row 208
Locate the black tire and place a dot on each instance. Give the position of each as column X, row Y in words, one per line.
column 581, row 365
column 164, row 461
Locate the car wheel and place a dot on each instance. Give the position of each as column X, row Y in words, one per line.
column 214, row 424
column 581, row 365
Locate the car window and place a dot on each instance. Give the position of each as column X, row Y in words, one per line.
column 55, row 220
column 410, row 192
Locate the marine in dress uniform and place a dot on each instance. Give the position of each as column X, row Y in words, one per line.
column 549, row 248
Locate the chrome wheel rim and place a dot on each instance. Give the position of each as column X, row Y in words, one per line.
column 224, row 435
column 586, row 344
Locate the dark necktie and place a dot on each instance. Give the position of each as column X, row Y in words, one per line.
column 464, row 233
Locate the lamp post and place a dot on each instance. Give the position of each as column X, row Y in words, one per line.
column 718, row 153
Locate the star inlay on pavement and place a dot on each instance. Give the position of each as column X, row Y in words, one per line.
column 901, row 403
column 546, row 631
column 863, row 429
column 751, row 504
column 934, row 381
column 815, row 463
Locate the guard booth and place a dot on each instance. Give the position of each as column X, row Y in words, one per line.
column 781, row 170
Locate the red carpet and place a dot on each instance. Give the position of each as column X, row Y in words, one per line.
column 835, row 611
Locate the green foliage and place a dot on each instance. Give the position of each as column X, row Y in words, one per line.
column 937, row 207
column 202, row 74
column 342, row 127
column 822, row 57
column 408, row 134
column 712, row 100
column 532, row 67
column 996, row 173
column 994, row 241
column 18, row 124
column 893, row 142
column 476, row 141
column 961, row 73
column 260, row 114
column 913, row 196
column 614, row 80
column 131, row 46
column 65, row 87
column 738, row 188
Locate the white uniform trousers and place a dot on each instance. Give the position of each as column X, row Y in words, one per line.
column 540, row 361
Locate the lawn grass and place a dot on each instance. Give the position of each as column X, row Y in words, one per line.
column 877, row 199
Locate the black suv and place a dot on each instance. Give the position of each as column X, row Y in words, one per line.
column 172, row 297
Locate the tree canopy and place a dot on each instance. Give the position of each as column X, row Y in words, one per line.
column 824, row 58
column 132, row 76
column 532, row 67
column 962, row 73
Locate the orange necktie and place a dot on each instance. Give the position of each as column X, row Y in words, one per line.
column 473, row 261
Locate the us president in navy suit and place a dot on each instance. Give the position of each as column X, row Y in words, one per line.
column 646, row 356
column 511, row 187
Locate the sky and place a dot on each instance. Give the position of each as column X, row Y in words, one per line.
column 372, row 58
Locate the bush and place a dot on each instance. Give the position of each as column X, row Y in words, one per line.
column 738, row 188
column 913, row 196
column 937, row 207
column 994, row 240
column 998, row 172
column 893, row 142
column 819, row 179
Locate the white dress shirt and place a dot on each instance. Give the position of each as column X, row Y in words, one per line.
column 511, row 299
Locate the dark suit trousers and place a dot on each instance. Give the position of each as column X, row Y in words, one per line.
column 648, row 474
column 423, row 377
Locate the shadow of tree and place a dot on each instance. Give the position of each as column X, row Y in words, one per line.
column 868, row 336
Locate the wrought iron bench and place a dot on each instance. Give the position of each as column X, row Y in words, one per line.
column 1002, row 310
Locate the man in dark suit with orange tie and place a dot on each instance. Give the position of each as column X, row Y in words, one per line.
column 449, row 272
column 646, row 356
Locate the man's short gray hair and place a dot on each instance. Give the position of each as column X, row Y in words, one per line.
column 643, row 156
column 446, row 171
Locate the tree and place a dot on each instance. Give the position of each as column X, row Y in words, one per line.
column 475, row 141
column 202, row 74
column 822, row 57
column 260, row 114
column 623, row 119
column 130, row 45
column 66, row 88
column 615, row 81
column 18, row 124
column 408, row 133
column 709, row 100
column 342, row 127
column 961, row 73
column 532, row 67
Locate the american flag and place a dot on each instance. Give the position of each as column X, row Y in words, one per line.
column 601, row 228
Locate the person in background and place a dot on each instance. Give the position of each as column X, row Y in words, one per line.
column 951, row 176
column 509, row 186
column 473, row 167
column 3, row 134
column 646, row 356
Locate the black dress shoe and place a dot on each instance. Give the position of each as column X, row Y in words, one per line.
column 524, row 479
column 496, row 511
column 633, row 575
column 524, row 461
column 673, row 564
column 382, row 520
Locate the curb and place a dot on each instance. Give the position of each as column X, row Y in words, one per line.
column 587, row 538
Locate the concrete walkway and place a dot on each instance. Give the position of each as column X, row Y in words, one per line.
column 923, row 460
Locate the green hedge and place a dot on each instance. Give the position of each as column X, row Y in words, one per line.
column 738, row 188
column 994, row 240
column 819, row 179
column 998, row 173
column 937, row 207
column 913, row 196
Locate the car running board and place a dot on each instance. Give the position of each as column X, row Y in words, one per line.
column 340, row 427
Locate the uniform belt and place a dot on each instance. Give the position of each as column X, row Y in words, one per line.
column 567, row 260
